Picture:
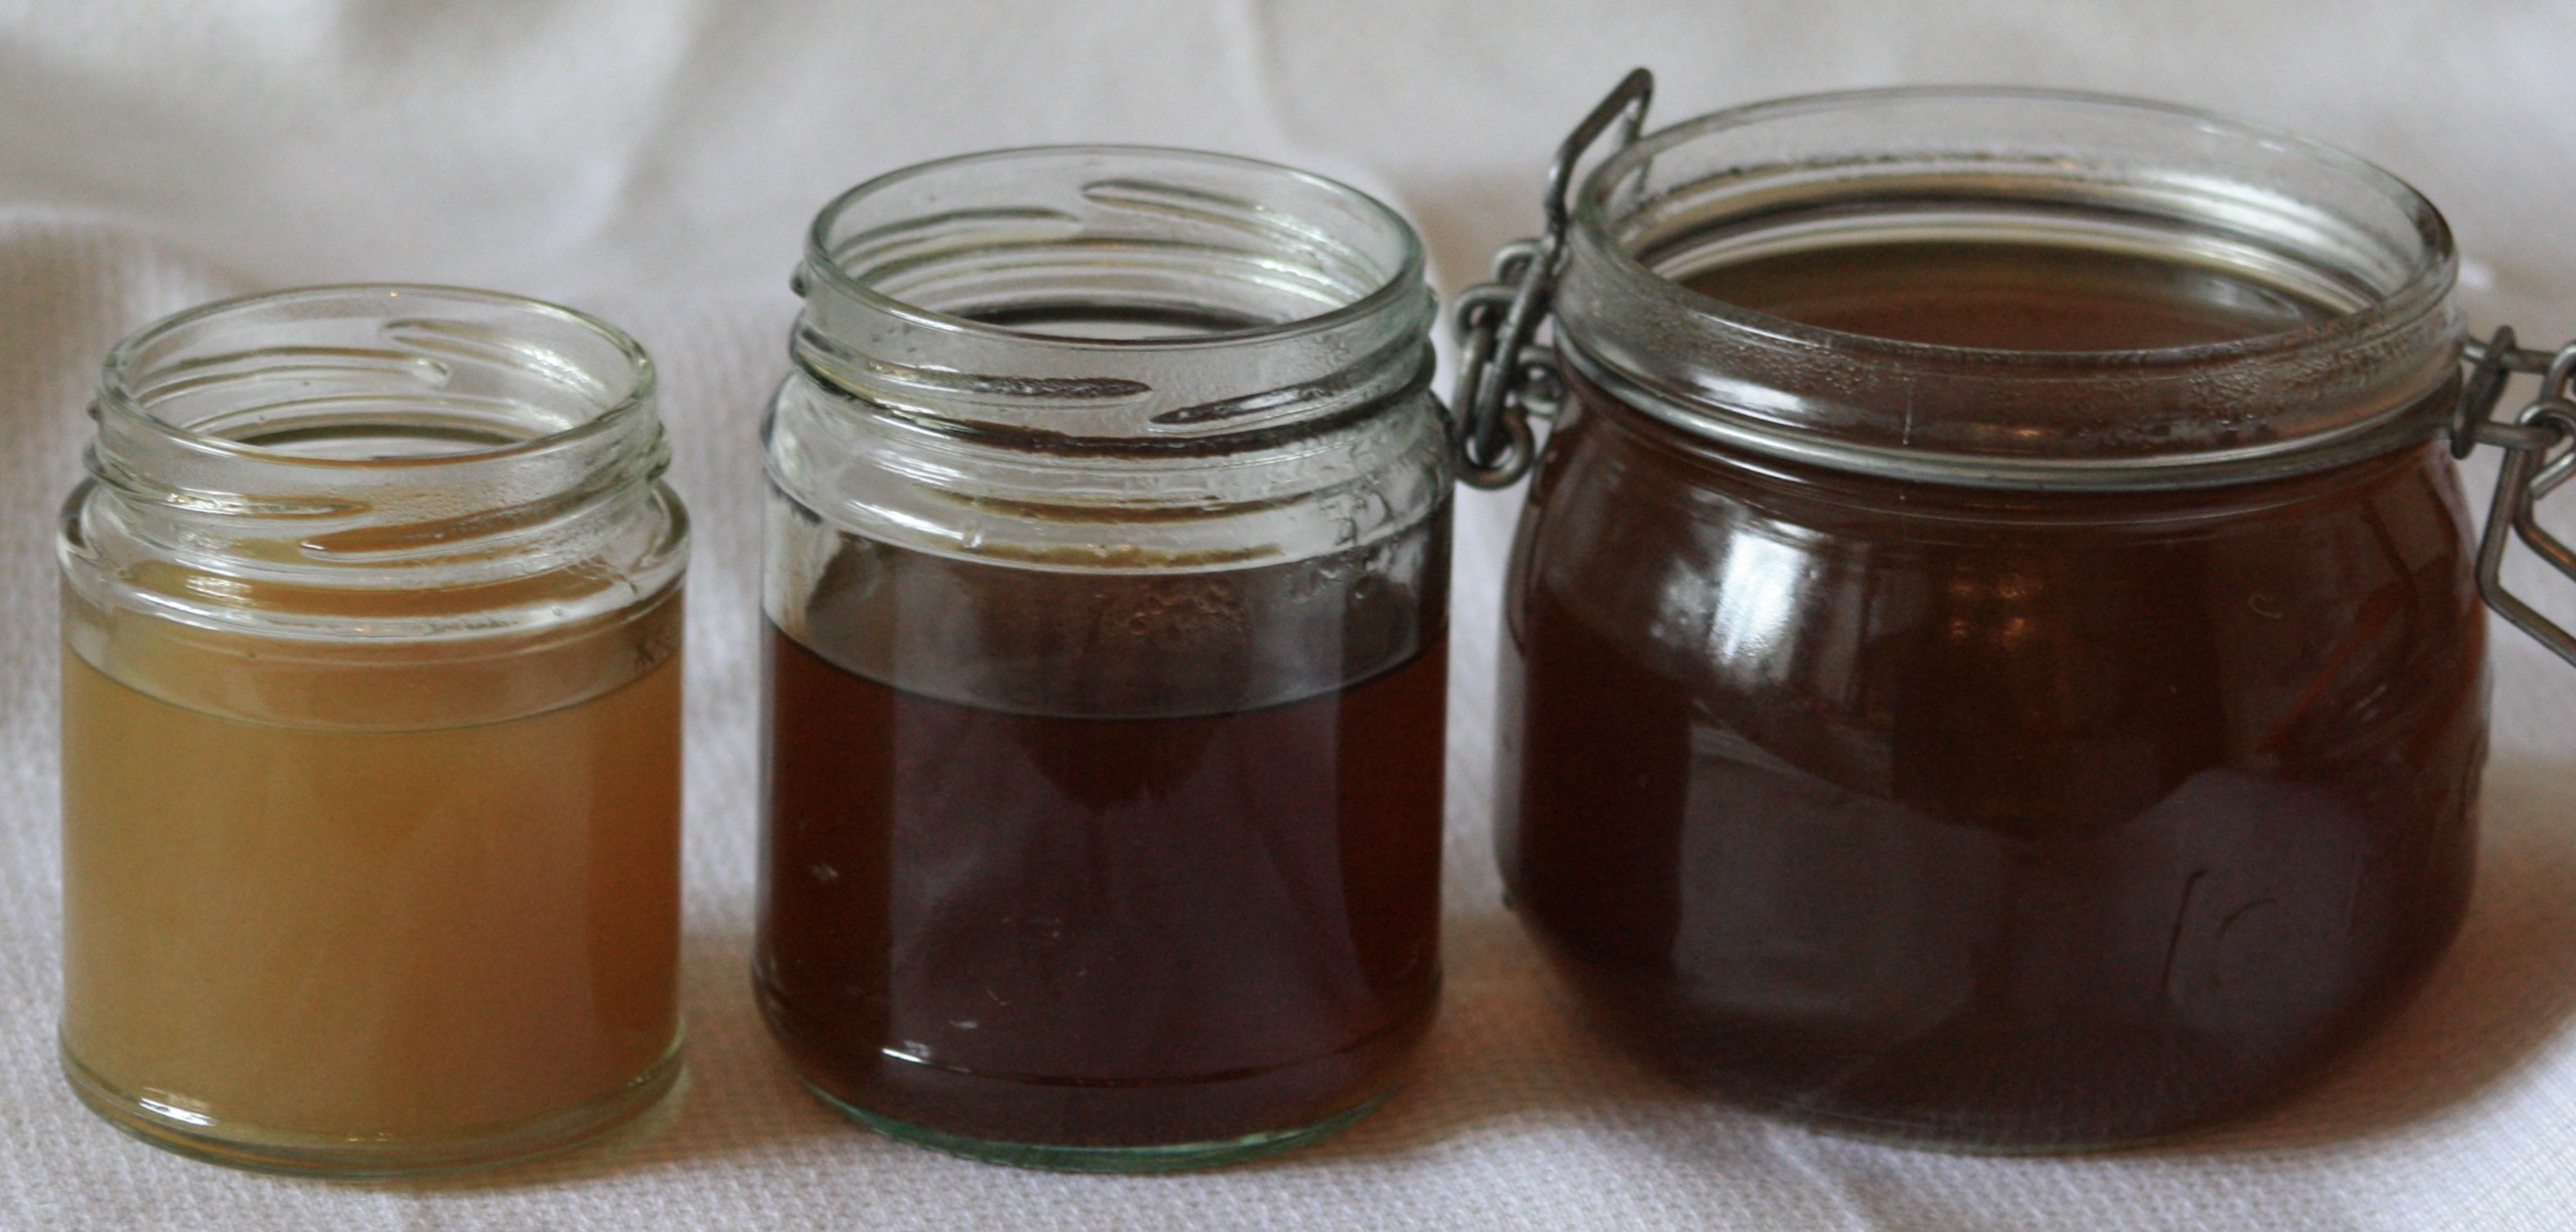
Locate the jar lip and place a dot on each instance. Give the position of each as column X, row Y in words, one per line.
column 2427, row 281
column 1396, row 288
column 117, row 396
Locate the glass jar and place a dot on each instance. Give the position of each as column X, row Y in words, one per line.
column 371, row 733
column 1107, row 577
column 1995, row 653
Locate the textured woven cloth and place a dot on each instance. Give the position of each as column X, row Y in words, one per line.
column 655, row 161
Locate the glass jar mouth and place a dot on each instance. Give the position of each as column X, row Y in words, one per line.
column 377, row 463
column 2424, row 281
column 1393, row 272
column 1113, row 300
column 2181, row 187
column 446, row 380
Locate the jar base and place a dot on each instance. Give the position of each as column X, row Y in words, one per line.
column 1047, row 1157
column 2057, row 1114
column 346, row 1158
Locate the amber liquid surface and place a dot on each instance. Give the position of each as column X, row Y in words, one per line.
column 2012, row 297
column 304, row 938
column 1019, row 925
column 2023, row 820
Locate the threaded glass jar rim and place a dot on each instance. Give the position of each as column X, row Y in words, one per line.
column 1113, row 300
column 2164, row 180
column 133, row 381
column 826, row 249
column 376, row 463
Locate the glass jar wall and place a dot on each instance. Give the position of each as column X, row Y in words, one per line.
column 371, row 725
column 1106, row 588
column 1994, row 655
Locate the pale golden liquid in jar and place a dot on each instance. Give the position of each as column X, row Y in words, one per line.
column 352, row 900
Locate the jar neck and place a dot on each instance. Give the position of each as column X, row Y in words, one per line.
column 2022, row 167
column 1112, row 300
column 376, row 462
column 1812, row 494
column 1111, row 358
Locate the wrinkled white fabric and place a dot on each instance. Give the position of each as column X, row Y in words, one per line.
column 656, row 161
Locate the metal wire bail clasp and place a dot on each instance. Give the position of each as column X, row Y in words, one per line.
column 1502, row 382
column 2540, row 454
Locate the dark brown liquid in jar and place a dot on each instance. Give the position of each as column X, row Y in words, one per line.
column 2018, row 818
column 2010, row 297
column 1062, row 912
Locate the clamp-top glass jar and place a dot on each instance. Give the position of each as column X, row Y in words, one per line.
column 371, row 733
column 1108, row 568
column 1995, row 643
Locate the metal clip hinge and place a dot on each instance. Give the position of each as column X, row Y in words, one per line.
column 1503, row 381
column 2540, row 454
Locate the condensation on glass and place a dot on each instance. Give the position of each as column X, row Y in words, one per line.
column 1106, row 583
column 1994, row 643
column 371, row 733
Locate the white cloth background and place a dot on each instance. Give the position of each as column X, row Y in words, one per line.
column 656, row 161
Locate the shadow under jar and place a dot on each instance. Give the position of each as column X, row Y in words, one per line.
column 1994, row 649
column 1106, row 582
column 371, row 734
